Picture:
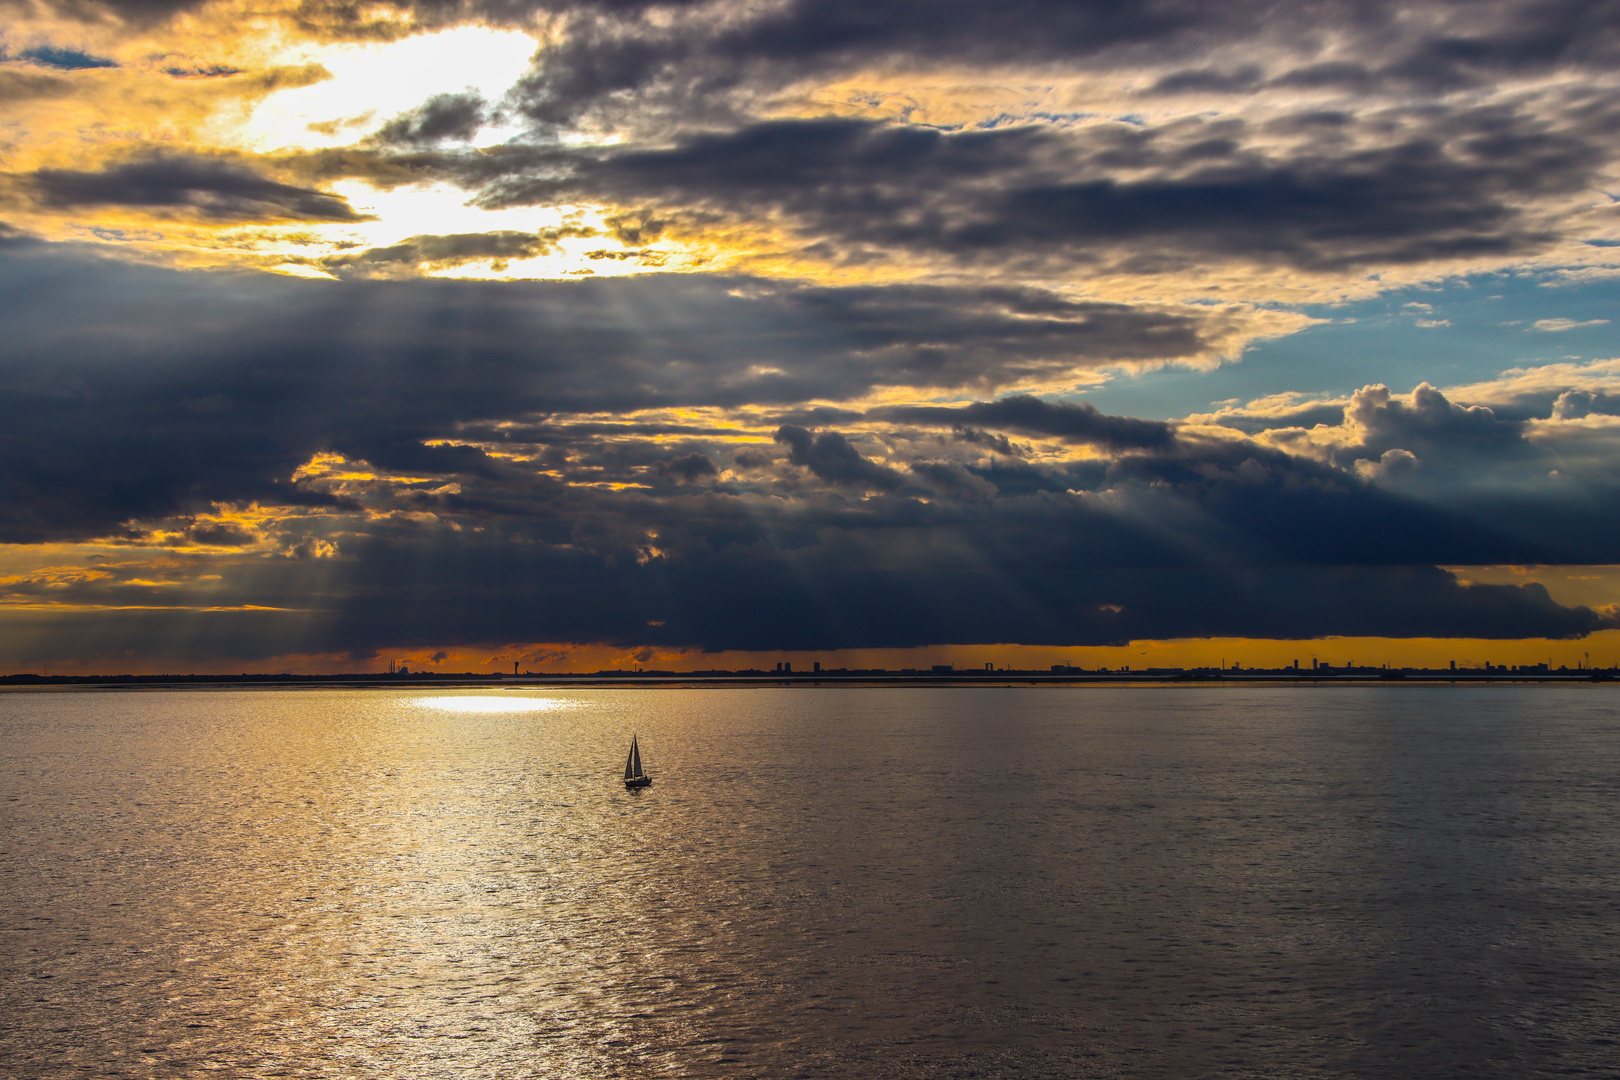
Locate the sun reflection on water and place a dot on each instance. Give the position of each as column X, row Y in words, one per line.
column 469, row 704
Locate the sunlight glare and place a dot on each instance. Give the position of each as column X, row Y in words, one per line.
column 493, row 704
column 439, row 209
column 374, row 82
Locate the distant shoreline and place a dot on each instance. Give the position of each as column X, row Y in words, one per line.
column 671, row 680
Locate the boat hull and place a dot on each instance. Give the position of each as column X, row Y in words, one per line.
column 638, row 781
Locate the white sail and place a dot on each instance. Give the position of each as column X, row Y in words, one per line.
column 632, row 764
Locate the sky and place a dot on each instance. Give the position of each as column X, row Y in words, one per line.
column 700, row 335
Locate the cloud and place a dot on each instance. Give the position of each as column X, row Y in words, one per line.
column 689, row 469
column 1076, row 422
column 136, row 12
column 519, row 403
column 1525, row 460
column 954, row 480
column 810, row 589
column 210, row 188
column 203, row 71
column 436, row 252
column 1155, row 200
column 1463, row 443
column 1578, row 404
column 1528, row 393
column 1163, row 151
column 1427, row 420
column 443, row 117
column 1560, row 325
column 252, row 376
column 616, row 51
column 25, row 86
column 1390, row 463
column 831, row 457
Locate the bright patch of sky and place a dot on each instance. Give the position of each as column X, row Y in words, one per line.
column 372, row 83
column 442, row 210
column 1457, row 332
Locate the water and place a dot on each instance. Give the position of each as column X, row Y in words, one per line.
column 1178, row 882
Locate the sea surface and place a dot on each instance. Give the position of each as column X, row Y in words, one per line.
column 1190, row 882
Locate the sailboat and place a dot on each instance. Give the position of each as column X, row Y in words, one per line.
column 634, row 777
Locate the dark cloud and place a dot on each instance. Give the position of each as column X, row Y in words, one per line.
column 452, row 249
column 836, row 595
column 455, row 249
column 998, row 443
column 165, row 391
column 693, row 61
column 1574, row 404
column 818, row 416
column 211, row 188
column 836, row 586
column 610, row 49
column 1466, row 187
column 941, row 336
column 1518, row 39
column 1205, row 80
column 1424, row 208
column 1336, row 75
column 140, row 408
column 203, row 71
column 1074, row 422
column 831, row 458
column 440, row 118
column 575, row 432
column 954, row 480
column 614, row 50
column 518, row 511
column 222, row 535
column 1406, row 178
column 689, row 469
column 1251, row 505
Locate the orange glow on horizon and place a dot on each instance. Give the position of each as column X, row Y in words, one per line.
column 1600, row 650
